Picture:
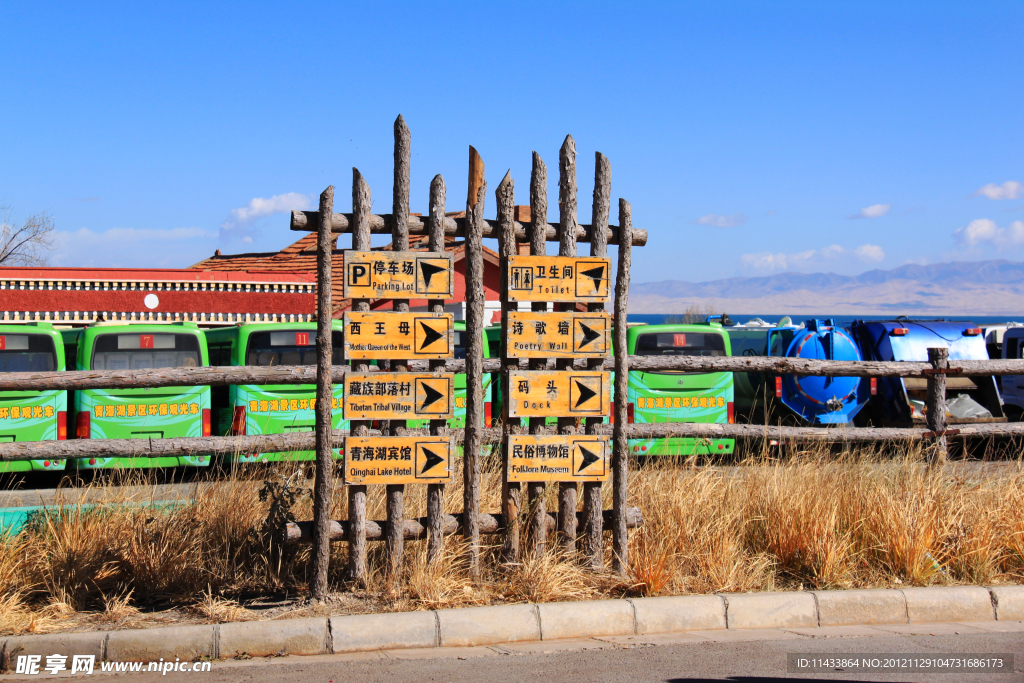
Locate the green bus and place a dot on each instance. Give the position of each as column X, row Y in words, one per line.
column 151, row 413
column 32, row 415
column 271, row 408
column 675, row 396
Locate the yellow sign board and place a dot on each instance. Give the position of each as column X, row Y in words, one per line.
column 398, row 275
column 558, row 458
column 559, row 278
column 398, row 335
column 399, row 395
column 558, row 335
column 398, row 460
column 563, row 393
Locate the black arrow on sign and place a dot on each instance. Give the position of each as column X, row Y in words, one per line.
column 432, row 395
column 586, row 393
column 596, row 274
column 432, row 336
column 429, row 270
column 589, row 459
column 589, row 335
column 433, row 459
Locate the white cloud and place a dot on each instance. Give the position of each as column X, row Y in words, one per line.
column 721, row 221
column 133, row 248
column 1011, row 189
column 239, row 221
column 985, row 230
column 767, row 261
column 873, row 211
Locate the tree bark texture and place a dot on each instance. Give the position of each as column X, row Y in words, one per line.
column 567, row 247
column 307, row 221
column 536, row 502
column 511, row 495
column 936, row 401
column 435, row 492
column 417, row 529
column 593, row 503
column 361, row 202
column 620, row 442
column 477, row 193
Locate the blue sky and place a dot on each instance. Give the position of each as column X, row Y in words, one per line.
column 750, row 138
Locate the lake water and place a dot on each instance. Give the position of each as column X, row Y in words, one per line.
column 979, row 320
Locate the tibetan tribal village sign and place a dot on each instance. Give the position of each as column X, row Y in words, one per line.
column 558, row 335
column 398, row 395
column 398, row 335
column 558, row 278
column 558, row 458
column 568, row 393
column 398, row 275
column 398, row 460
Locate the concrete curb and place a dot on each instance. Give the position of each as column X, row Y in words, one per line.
column 476, row 626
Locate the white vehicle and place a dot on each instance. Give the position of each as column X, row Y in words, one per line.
column 1012, row 386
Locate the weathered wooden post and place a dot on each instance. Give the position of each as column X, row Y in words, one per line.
column 936, row 402
column 538, row 247
column 357, row 493
column 620, row 452
column 567, row 247
column 475, row 298
column 323, row 487
column 593, row 525
column 400, row 243
column 507, row 247
column 435, row 492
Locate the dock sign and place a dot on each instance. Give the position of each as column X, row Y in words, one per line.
column 569, row 393
column 398, row 395
column 398, row 335
column 558, row 458
column 398, row 460
column 558, row 335
column 398, row 275
column 559, row 278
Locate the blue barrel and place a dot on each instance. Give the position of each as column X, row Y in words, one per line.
column 817, row 399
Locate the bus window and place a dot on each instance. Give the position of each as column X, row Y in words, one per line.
column 138, row 351
column 460, row 344
column 288, row 347
column 27, row 353
column 680, row 344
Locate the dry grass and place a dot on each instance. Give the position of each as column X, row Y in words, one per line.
column 811, row 520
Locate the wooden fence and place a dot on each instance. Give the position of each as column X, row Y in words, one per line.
column 356, row 530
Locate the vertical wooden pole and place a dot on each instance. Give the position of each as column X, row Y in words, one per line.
column 435, row 492
column 510, row 492
column 593, row 525
column 538, row 247
column 474, row 358
column 936, row 402
column 395, row 537
column 620, row 448
column 357, row 494
column 323, row 493
column 567, row 247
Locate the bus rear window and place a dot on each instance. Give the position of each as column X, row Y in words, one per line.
column 139, row 351
column 460, row 344
column 27, row 353
column 288, row 347
column 680, row 344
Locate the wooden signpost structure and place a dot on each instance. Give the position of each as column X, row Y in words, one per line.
column 394, row 338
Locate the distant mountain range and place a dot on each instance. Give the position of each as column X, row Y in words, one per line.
column 978, row 287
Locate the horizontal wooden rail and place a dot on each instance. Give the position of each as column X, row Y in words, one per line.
column 416, row 529
column 304, row 441
column 309, row 221
column 306, row 374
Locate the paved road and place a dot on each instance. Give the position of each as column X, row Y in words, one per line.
column 748, row 656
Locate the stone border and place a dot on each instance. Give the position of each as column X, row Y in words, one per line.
column 473, row 626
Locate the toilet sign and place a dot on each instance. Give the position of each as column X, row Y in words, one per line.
column 398, row 275
column 559, row 278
